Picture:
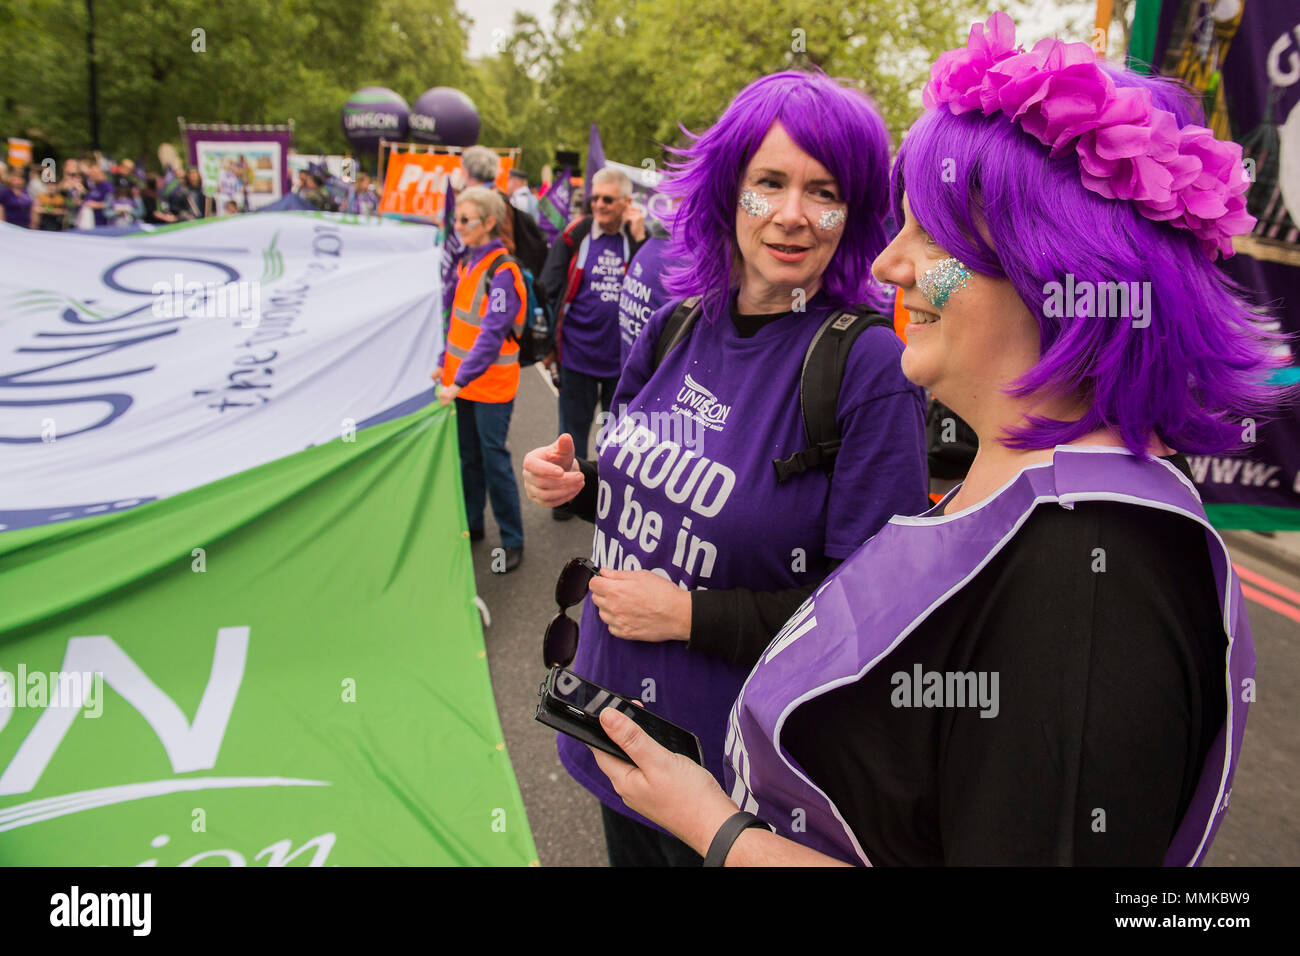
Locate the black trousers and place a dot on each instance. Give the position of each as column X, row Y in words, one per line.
column 634, row 844
column 579, row 394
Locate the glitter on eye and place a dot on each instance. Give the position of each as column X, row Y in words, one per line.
column 754, row 204
column 939, row 284
column 831, row 219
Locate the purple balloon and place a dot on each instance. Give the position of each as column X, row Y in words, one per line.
column 372, row 114
column 446, row 117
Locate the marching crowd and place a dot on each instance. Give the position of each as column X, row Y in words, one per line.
column 96, row 191
column 1041, row 667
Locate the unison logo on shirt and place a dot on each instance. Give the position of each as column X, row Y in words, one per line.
column 697, row 402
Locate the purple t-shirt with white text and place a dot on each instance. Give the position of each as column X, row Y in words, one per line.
column 589, row 335
column 686, row 488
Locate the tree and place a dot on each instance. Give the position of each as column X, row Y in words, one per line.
column 240, row 61
column 639, row 68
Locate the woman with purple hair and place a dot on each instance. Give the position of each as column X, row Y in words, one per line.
column 1064, row 679
column 713, row 520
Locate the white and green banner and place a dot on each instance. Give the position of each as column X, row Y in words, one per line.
column 284, row 667
column 134, row 367
column 237, row 619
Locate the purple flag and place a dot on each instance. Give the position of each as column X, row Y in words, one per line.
column 554, row 209
column 595, row 161
column 452, row 249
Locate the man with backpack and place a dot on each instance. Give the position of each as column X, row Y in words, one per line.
column 583, row 278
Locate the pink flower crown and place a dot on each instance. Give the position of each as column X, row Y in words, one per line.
column 1128, row 149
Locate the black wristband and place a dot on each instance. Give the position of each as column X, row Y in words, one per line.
column 727, row 834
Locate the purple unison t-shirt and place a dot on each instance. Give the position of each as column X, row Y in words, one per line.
column 643, row 292
column 589, row 335
column 686, row 488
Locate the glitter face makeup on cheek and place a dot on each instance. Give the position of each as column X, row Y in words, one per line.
column 754, row 204
column 940, row 283
column 831, row 219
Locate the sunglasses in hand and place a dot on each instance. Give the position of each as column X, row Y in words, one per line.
column 572, row 704
column 561, row 641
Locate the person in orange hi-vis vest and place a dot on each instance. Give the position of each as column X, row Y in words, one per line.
column 479, row 367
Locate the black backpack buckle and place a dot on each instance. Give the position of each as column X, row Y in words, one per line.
column 818, row 456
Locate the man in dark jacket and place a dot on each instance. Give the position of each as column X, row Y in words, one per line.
column 522, row 236
column 582, row 280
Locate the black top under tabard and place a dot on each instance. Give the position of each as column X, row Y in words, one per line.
column 925, row 785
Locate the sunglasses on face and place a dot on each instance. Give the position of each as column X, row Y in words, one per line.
column 605, row 200
column 465, row 221
column 561, row 641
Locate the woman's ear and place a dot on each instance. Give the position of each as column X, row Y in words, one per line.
column 490, row 224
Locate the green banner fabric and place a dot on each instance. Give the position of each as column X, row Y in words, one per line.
column 283, row 667
column 1253, row 518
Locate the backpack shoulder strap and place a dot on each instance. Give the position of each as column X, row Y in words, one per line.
column 575, row 232
column 500, row 261
column 819, row 389
column 677, row 328
column 493, row 268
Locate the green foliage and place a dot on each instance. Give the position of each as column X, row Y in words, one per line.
column 638, row 68
column 256, row 61
column 510, row 100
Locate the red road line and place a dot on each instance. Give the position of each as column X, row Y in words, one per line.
column 1270, row 602
column 1268, row 585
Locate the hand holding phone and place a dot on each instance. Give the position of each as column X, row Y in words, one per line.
column 572, row 705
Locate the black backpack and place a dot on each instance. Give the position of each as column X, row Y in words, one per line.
column 531, row 246
column 536, row 340
column 819, row 382
column 951, row 444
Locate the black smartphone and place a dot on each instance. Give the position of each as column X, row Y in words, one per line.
column 572, row 705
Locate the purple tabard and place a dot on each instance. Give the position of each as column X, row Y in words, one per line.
column 860, row 615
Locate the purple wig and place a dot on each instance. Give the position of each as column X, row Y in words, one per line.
column 1190, row 377
column 836, row 125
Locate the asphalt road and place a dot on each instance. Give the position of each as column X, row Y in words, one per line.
column 1260, row 828
column 564, row 817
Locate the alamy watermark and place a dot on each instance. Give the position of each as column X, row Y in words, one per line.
column 64, row 689
column 922, row 688
column 209, row 300
column 683, row 431
column 127, row 910
column 1085, row 299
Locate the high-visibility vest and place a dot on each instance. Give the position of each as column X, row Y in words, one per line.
column 501, row 380
column 901, row 317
